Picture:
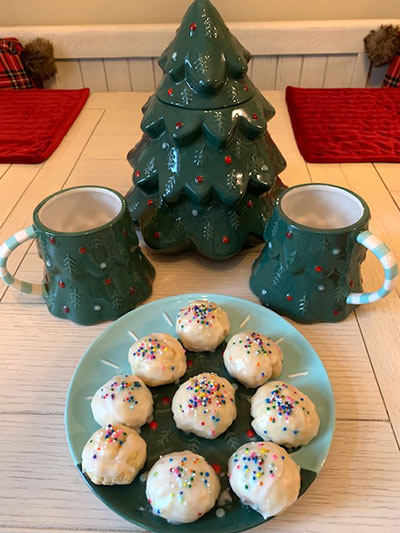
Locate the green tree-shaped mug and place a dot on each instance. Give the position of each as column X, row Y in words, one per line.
column 94, row 268
column 316, row 241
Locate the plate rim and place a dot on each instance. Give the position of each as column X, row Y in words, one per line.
column 190, row 296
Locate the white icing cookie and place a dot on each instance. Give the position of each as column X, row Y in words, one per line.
column 252, row 358
column 123, row 400
column 204, row 405
column 113, row 455
column 158, row 359
column 284, row 414
column 265, row 477
column 202, row 326
column 181, row 487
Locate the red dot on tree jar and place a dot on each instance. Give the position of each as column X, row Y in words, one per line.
column 255, row 116
column 351, row 283
column 228, row 159
column 190, row 363
column 125, row 232
column 156, row 234
column 318, row 268
column 170, row 92
column 178, row 125
column 61, row 284
column 149, row 203
column 153, row 425
column 199, row 179
column 336, row 312
column 225, row 239
column 289, row 297
column 132, row 290
column 82, row 250
column 249, row 204
column 108, row 281
column 66, row 309
column 193, row 27
column 137, row 173
column 289, row 235
column 52, row 240
column 166, row 400
column 250, row 433
column 246, row 88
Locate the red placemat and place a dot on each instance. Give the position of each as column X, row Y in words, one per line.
column 346, row 125
column 33, row 122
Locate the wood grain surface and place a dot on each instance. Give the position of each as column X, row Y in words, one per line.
column 40, row 490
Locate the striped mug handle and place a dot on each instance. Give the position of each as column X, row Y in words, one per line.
column 390, row 266
column 5, row 251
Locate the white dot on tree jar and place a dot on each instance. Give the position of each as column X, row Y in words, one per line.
column 321, row 287
column 97, row 307
column 336, row 251
column 103, row 265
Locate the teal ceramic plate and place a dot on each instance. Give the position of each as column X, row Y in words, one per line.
column 108, row 356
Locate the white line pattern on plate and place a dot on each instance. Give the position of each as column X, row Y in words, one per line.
column 298, row 374
column 133, row 334
column 110, row 363
column 245, row 321
column 168, row 319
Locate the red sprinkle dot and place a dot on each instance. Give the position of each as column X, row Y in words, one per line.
column 132, row 290
column 225, row 239
column 255, row 116
column 52, row 240
column 249, row 204
column 228, row 160
column 203, row 423
column 65, row 309
column 153, row 425
column 82, row 250
column 156, row 234
column 289, row 298
column 351, row 283
column 336, row 312
column 170, row 92
column 199, row 179
column 250, row 433
column 246, row 88
column 217, row 468
column 149, row 203
column 178, row 125
column 289, row 234
column 166, row 400
column 189, row 363
column 61, row 284
column 193, row 27
column 137, row 173
column 108, row 281
column 318, row 269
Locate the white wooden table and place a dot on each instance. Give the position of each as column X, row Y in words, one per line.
column 40, row 489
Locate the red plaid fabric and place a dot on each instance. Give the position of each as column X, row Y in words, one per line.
column 12, row 72
column 392, row 78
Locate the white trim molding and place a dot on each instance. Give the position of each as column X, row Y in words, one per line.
column 124, row 56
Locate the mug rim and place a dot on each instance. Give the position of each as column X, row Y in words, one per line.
column 344, row 229
column 38, row 224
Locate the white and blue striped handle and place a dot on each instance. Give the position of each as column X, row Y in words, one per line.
column 5, row 251
column 390, row 266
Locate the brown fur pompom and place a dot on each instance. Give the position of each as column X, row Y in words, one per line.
column 38, row 59
column 381, row 45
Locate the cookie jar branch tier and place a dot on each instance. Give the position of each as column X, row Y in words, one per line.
column 206, row 169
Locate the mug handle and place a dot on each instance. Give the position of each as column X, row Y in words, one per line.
column 5, row 251
column 390, row 266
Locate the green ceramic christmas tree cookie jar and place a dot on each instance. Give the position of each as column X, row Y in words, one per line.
column 94, row 269
column 206, row 169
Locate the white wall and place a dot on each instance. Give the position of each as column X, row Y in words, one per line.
column 47, row 12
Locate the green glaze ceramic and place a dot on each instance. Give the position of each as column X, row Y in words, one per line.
column 206, row 154
column 94, row 268
column 302, row 368
column 316, row 242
